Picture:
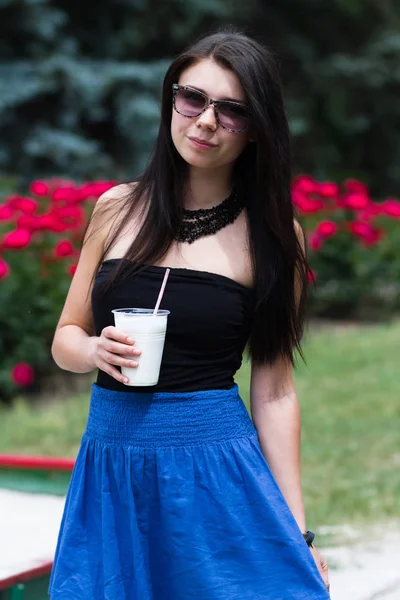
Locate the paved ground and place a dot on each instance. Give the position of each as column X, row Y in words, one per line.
column 29, row 526
column 365, row 567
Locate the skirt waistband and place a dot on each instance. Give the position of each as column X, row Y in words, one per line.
column 167, row 419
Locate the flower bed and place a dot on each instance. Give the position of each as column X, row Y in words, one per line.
column 354, row 244
column 40, row 238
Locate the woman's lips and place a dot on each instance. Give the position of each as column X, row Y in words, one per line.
column 202, row 144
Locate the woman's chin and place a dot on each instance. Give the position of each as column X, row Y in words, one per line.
column 198, row 160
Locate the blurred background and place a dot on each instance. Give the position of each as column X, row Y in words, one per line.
column 80, row 86
column 79, row 111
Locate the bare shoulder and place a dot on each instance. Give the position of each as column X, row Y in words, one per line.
column 118, row 191
column 109, row 210
column 111, row 201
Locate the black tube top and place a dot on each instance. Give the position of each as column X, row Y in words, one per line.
column 208, row 328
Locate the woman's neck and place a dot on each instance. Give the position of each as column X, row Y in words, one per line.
column 207, row 188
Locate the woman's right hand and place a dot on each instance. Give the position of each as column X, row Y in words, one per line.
column 113, row 348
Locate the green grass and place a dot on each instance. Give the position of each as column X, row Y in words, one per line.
column 349, row 394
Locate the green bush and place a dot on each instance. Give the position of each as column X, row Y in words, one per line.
column 353, row 243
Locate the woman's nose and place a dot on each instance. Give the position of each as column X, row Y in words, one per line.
column 208, row 118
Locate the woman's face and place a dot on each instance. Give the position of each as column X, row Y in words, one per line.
column 224, row 146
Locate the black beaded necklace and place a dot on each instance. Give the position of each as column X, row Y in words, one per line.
column 207, row 221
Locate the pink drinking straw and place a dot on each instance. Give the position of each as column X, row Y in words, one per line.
column 161, row 294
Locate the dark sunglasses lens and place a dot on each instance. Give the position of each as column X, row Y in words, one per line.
column 189, row 103
column 233, row 116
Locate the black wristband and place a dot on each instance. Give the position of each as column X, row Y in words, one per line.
column 309, row 537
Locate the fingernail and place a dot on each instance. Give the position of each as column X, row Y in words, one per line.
column 126, row 380
column 133, row 363
column 129, row 340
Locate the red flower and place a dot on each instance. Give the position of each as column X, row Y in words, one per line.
column 305, row 204
column 315, row 241
column 51, row 222
column 22, row 374
column 72, row 216
column 68, row 194
column 69, row 211
column 306, row 184
column 329, row 189
column 356, row 201
column 64, row 248
column 26, row 205
column 72, row 270
column 6, row 212
column 19, row 238
column 87, row 192
column 362, row 230
column 39, row 188
column 4, row 269
column 371, row 211
column 374, row 238
column 326, row 229
column 365, row 232
column 28, row 222
column 354, row 186
column 391, row 207
column 12, row 201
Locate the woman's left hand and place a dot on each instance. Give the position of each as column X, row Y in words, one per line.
column 322, row 565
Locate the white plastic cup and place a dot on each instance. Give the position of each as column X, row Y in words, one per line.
column 148, row 332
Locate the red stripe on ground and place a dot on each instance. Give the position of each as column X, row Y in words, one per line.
column 24, row 576
column 12, row 461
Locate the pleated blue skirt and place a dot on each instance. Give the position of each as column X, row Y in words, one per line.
column 172, row 499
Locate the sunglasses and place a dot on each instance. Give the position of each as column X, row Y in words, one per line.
column 189, row 102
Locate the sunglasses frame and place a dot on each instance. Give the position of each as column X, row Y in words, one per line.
column 176, row 88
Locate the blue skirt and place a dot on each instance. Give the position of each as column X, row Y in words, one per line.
column 172, row 499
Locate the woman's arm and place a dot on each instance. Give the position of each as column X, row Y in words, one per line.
column 74, row 342
column 276, row 415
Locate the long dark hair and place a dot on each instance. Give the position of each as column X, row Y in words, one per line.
column 262, row 173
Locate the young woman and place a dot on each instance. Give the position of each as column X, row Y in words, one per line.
column 177, row 494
